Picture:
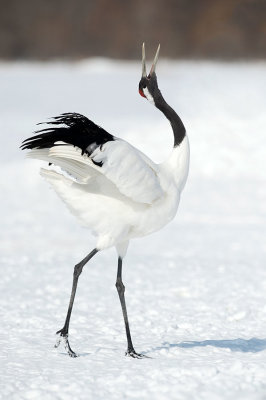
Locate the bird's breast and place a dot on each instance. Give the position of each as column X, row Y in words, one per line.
column 172, row 175
column 156, row 215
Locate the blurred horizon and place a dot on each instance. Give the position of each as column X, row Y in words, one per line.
column 186, row 29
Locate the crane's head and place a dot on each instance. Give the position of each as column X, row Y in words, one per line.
column 148, row 86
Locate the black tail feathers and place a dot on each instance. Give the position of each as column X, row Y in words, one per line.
column 70, row 128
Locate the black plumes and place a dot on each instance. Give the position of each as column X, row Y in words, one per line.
column 71, row 128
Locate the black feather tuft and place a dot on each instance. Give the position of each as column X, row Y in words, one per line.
column 71, row 128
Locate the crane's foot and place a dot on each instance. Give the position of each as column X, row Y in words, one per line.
column 64, row 336
column 132, row 353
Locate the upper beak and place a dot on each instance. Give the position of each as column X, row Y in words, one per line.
column 144, row 73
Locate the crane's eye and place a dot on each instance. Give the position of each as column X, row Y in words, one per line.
column 144, row 86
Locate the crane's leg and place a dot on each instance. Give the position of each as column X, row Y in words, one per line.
column 121, row 292
column 63, row 333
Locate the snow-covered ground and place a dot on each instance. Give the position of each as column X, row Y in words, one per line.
column 196, row 291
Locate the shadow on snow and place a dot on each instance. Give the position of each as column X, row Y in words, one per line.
column 252, row 345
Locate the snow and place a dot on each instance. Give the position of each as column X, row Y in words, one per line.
column 195, row 291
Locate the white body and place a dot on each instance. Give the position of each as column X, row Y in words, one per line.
column 129, row 196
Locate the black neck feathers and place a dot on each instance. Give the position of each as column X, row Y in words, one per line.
column 177, row 125
column 150, row 83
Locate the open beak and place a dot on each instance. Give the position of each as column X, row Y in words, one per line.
column 144, row 73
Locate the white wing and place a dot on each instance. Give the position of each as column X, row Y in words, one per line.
column 130, row 171
column 69, row 159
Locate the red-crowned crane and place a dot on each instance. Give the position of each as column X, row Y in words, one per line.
column 110, row 186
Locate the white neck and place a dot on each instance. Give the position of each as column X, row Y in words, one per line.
column 178, row 163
